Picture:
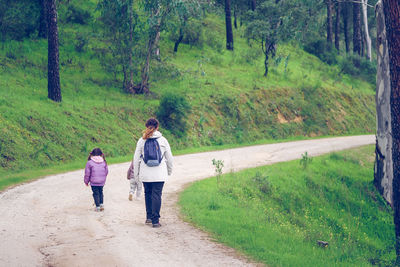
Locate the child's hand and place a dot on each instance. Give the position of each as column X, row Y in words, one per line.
column 86, row 184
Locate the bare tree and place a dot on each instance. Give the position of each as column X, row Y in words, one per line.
column 53, row 77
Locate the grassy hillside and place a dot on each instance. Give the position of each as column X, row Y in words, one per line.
column 231, row 101
column 276, row 214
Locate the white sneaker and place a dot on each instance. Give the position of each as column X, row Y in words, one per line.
column 130, row 196
column 97, row 209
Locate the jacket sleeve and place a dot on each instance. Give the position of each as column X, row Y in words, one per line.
column 168, row 157
column 130, row 171
column 88, row 172
column 106, row 169
column 137, row 157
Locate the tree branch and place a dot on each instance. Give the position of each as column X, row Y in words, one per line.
column 353, row 1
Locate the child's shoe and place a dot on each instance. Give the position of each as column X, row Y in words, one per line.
column 130, row 196
column 97, row 209
column 101, row 207
column 156, row 225
column 148, row 221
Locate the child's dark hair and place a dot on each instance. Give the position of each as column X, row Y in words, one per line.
column 97, row 152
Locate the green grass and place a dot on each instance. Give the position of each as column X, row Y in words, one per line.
column 232, row 103
column 276, row 214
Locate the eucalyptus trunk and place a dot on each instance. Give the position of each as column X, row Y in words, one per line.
column 392, row 21
column 383, row 170
column 366, row 31
column 53, row 76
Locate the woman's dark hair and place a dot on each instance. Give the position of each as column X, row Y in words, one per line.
column 97, row 152
column 151, row 126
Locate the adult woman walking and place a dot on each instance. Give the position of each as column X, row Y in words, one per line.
column 152, row 165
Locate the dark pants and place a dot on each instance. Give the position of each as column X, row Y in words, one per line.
column 152, row 196
column 97, row 195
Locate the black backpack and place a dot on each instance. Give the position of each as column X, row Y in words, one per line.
column 152, row 152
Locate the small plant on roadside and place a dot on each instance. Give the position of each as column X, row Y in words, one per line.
column 305, row 160
column 218, row 164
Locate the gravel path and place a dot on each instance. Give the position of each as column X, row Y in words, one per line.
column 51, row 222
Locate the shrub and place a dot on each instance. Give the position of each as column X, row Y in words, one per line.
column 192, row 34
column 360, row 67
column 323, row 51
column 213, row 40
column 19, row 19
column 81, row 42
column 77, row 15
column 172, row 112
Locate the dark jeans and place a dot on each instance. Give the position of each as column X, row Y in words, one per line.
column 97, row 195
column 152, row 196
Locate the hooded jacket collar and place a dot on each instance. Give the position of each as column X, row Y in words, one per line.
column 97, row 159
column 156, row 134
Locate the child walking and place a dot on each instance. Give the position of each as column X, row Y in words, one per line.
column 135, row 184
column 96, row 171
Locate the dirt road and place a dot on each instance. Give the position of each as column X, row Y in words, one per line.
column 51, row 222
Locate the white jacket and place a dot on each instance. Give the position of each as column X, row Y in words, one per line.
column 153, row 174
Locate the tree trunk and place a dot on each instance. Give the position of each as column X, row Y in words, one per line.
column 383, row 170
column 228, row 23
column 329, row 22
column 346, row 26
column 156, row 45
column 356, row 29
column 42, row 20
column 253, row 5
column 179, row 40
column 144, row 85
column 234, row 17
column 392, row 20
column 53, row 77
column 128, row 82
column 366, row 31
column 337, row 27
column 362, row 43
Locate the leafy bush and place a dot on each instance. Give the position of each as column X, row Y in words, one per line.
column 323, row 51
column 213, row 40
column 77, row 15
column 164, row 70
column 81, row 42
column 192, row 34
column 18, row 19
column 360, row 67
column 172, row 112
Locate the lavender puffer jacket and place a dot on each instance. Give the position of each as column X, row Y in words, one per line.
column 96, row 173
